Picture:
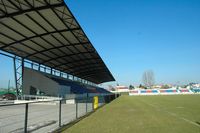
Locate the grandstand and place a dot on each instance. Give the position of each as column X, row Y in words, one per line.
column 46, row 36
column 79, row 88
column 74, row 87
column 52, row 58
column 35, row 83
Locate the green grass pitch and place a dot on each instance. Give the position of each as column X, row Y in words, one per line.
column 144, row 114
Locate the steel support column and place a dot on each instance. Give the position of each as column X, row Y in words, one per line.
column 18, row 71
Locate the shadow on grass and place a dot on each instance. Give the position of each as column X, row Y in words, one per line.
column 198, row 123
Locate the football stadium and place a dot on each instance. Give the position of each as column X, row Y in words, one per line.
column 58, row 75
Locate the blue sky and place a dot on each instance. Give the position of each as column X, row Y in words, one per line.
column 137, row 35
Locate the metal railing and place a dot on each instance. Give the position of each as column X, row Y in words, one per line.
column 35, row 97
column 49, row 115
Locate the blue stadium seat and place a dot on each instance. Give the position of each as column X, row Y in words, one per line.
column 77, row 88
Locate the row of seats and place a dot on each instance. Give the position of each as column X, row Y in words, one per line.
column 77, row 88
column 168, row 91
column 184, row 90
column 162, row 91
column 149, row 91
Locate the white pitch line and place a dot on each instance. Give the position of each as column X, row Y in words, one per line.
column 172, row 114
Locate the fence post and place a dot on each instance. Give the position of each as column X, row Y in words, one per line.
column 86, row 104
column 60, row 113
column 93, row 103
column 76, row 110
column 26, row 118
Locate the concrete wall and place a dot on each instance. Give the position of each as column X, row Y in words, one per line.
column 40, row 82
column 64, row 90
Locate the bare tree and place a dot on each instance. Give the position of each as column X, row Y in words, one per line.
column 148, row 78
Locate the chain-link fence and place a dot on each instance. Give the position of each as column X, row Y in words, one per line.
column 49, row 115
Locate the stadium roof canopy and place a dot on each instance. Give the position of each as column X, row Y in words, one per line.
column 46, row 32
